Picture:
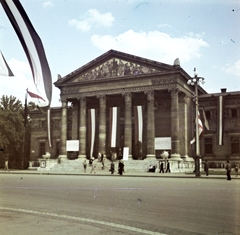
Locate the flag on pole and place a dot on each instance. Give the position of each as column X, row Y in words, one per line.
column 32, row 46
column 34, row 95
column 205, row 120
column 200, row 128
column 4, row 68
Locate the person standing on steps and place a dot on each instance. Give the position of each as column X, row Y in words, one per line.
column 236, row 169
column 120, row 167
column 112, row 168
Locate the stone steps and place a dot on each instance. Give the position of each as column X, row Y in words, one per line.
column 130, row 166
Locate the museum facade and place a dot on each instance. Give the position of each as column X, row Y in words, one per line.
column 121, row 103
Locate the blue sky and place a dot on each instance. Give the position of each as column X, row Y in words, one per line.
column 202, row 33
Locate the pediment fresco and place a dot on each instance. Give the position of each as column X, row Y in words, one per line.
column 116, row 67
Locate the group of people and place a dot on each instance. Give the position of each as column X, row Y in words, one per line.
column 228, row 169
column 161, row 167
column 101, row 158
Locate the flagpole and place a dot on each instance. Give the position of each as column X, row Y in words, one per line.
column 195, row 81
column 24, row 130
column 197, row 157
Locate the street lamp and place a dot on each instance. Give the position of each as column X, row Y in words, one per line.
column 196, row 81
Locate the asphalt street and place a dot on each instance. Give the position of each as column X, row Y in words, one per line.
column 83, row 204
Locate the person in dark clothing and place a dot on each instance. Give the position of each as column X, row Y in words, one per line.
column 161, row 167
column 168, row 167
column 112, row 168
column 120, row 167
column 228, row 168
column 151, row 168
column 206, row 167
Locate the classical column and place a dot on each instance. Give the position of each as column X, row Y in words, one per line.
column 150, row 124
column 175, row 124
column 128, row 123
column 74, row 120
column 184, row 127
column 82, row 128
column 63, row 153
column 102, row 124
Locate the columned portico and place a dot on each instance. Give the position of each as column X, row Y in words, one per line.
column 175, row 154
column 150, row 124
column 128, row 123
column 63, row 139
column 82, row 128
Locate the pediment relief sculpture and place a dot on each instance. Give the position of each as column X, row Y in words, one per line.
column 116, row 67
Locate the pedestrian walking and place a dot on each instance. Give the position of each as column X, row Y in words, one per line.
column 228, row 168
column 161, row 167
column 206, row 167
column 168, row 167
column 103, row 162
column 6, row 165
column 236, row 169
column 93, row 166
column 85, row 165
column 112, row 168
column 120, row 167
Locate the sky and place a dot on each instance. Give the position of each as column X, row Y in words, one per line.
column 202, row 33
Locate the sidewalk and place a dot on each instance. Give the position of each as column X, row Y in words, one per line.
column 127, row 174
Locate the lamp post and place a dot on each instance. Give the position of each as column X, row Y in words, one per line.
column 196, row 81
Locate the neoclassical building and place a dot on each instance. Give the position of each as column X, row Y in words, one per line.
column 120, row 102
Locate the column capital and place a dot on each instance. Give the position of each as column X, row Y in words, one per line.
column 150, row 95
column 174, row 92
column 128, row 96
column 102, row 98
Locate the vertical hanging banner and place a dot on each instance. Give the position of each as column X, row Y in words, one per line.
column 33, row 48
column 113, row 126
column 138, row 122
column 220, row 120
column 93, row 128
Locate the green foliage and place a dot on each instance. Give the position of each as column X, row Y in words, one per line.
column 11, row 128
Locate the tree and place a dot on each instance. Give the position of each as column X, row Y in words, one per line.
column 11, row 129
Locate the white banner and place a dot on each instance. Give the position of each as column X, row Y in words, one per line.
column 163, row 143
column 72, row 145
column 125, row 153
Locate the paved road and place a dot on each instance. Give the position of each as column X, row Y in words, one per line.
column 73, row 204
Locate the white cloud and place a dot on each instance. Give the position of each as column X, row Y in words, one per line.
column 153, row 44
column 21, row 80
column 47, row 4
column 164, row 26
column 233, row 69
column 93, row 18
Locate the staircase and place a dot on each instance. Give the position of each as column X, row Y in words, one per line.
column 131, row 166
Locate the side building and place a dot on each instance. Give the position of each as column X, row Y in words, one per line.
column 122, row 101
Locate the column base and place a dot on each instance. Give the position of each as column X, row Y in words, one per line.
column 151, row 156
column 82, row 156
column 62, row 158
column 176, row 157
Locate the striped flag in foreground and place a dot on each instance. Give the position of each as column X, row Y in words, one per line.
column 32, row 46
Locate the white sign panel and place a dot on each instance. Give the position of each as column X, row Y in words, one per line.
column 72, row 145
column 125, row 153
column 163, row 143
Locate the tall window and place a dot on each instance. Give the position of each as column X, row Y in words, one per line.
column 42, row 150
column 233, row 113
column 208, row 145
column 235, row 145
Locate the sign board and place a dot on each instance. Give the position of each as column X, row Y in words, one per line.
column 162, row 143
column 125, row 153
column 72, row 145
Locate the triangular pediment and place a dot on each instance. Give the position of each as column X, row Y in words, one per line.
column 114, row 64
